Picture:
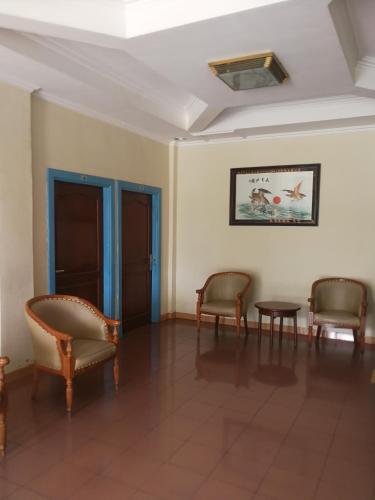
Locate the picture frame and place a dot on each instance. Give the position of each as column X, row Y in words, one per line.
column 286, row 195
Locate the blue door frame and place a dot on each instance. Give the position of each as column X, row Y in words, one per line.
column 108, row 230
column 155, row 243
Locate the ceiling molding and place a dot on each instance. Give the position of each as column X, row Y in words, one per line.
column 278, row 135
column 365, row 73
column 100, row 76
column 15, row 82
column 100, row 117
column 345, row 33
column 93, row 63
column 288, row 113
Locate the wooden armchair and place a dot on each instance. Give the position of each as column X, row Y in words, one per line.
column 70, row 336
column 340, row 303
column 225, row 294
column 3, row 406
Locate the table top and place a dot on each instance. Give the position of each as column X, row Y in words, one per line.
column 277, row 306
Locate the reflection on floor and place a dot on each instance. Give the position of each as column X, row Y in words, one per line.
column 214, row 420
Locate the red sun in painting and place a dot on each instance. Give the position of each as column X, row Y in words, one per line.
column 276, row 200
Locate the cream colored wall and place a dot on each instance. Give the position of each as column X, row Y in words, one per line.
column 283, row 260
column 66, row 140
column 16, row 258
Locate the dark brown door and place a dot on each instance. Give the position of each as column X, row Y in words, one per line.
column 136, row 250
column 79, row 241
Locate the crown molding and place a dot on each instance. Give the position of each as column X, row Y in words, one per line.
column 275, row 136
column 45, row 96
column 239, row 121
column 157, row 102
column 365, row 73
column 15, row 82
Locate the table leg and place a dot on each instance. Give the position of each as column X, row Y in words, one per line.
column 271, row 328
column 295, row 330
column 281, row 330
column 259, row 326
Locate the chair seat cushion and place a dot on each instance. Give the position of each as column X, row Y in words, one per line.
column 220, row 307
column 342, row 318
column 89, row 352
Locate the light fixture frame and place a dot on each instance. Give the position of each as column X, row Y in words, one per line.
column 269, row 58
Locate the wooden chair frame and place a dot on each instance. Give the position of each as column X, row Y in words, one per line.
column 64, row 346
column 239, row 299
column 354, row 328
column 3, row 406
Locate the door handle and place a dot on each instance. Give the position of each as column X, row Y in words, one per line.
column 151, row 260
column 59, row 271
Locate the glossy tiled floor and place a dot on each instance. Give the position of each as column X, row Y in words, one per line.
column 217, row 421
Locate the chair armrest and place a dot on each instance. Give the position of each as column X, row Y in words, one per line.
column 363, row 309
column 311, row 300
column 113, row 331
column 3, row 362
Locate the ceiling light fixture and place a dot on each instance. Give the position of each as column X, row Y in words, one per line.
column 250, row 72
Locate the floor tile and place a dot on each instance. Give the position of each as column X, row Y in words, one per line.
column 286, row 485
column 99, row 488
column 302, row 462
column 197, row 458
column 6, row 488
column 61, row 481
column 196, row 410
column 240, row 472
column 131, row 469
column 94, row 455
column 217, row 490
column 25, row 494
column 178, row 427
column 173, row 432
column 24, row 466
column 173, row 483
column 157, row 446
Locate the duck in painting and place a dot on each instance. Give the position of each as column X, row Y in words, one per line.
column 258, row 196
column 295, row 193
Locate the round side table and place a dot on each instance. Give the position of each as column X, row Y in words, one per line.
column 277, row 310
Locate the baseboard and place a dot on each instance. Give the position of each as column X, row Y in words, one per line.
column 23, row 372
column 167, row 316
column 254, row 325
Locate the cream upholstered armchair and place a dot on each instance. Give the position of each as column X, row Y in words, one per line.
column 3, row 406
column 340, row 303
column 70, row 336
column 225, row 294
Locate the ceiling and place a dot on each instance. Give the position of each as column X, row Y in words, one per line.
column 142, row 64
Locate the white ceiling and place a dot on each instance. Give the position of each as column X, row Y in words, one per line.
column 142, row 64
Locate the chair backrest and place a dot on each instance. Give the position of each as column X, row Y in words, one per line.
column 226, row 286
column 339, row 294
column 68, row 314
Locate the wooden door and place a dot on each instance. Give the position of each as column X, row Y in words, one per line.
column 136, row 255
column 79, row 241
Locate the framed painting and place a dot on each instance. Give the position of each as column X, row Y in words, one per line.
column 275, row 196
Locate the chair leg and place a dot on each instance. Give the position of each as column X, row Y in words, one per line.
column 198, row 321
column 362, row 341
column 355, row 336
column 238, row 324
column 318, row 332
column 217, row 319
column 35, row 383
column 3, row 431
column 116, row 371
column 69, row 395
column 245, row 323
column 310, row 335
